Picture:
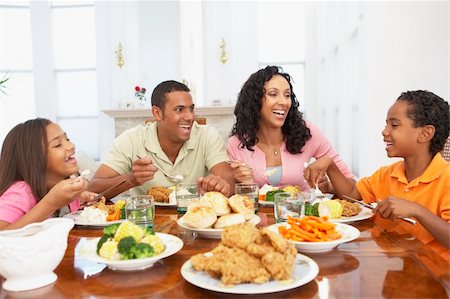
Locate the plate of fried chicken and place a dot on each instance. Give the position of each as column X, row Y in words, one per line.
column 250, row 261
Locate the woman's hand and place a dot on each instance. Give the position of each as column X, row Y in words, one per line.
column 242, row 172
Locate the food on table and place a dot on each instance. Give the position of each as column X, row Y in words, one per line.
column 200, row 216
column 100, row 212
column 270, row 195
column 309, row 229
column 160, row 194
column 216, row 210
column 248, row 255
column 242, row 204
column 126, row 240
column 330, row 208
column 334, row 208
column 349, row 208
column 228, row 220
column 86, row 174
column 219, row 202
column 264, row 189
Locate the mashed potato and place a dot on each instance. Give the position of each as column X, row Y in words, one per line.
column 92, row 215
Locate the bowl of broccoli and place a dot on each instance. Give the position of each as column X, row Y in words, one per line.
column 128, row 247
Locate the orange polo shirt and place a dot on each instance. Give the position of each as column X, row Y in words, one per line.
column 431, row 190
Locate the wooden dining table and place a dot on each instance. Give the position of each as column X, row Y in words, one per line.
column 378, row 264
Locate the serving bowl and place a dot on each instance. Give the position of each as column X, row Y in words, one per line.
column 29, row 255
column 88, row 247
column 348, row 232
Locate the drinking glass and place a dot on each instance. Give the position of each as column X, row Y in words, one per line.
column 185, row 194
column 250, row 190
column 140, row 209
column 286, row 205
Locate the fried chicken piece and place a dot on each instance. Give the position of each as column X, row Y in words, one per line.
column 232, row 265
column 349, row 208
column 240, row 235
column 160, row 194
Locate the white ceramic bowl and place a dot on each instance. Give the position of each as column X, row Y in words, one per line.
column 212, row 233
column 348, row 232
column 29, row 255
column 88, row 249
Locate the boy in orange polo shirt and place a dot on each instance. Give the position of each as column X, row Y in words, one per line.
column 417, row 126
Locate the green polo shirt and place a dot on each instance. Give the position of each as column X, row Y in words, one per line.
column 198, row 155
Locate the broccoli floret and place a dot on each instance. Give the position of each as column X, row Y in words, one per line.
column 142, row 250
column 270, row 196
column 125, row 247
column 148, row 231
column 122, row 213
column 311, row 210
column 102, row 240
column 111, row 229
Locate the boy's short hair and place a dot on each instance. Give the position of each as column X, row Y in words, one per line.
column 160, row 91
column 426, row 108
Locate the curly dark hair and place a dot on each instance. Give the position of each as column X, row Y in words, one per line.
column 426, row 108
column 160, row 91
column 248, row 113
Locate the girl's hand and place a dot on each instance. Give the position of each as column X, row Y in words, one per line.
column 394, row 207
column 65, row 191
column 242, row 173
column 88, row 197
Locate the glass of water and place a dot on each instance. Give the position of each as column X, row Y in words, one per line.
column 286, row 205
column 185, row 194
column 140, row 209
column 250, row 190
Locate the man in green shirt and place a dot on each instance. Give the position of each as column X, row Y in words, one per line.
column 174, row 143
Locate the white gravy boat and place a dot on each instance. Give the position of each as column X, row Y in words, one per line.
column 29, row 255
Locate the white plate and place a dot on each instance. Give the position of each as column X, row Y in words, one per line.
column 348, row 232
column 74, row 217
column 365, row 213
column 213, row 233
column 305, row 270
column 88, row 250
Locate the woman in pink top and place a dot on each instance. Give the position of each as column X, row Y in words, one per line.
column 36, row 160
column 270, row 141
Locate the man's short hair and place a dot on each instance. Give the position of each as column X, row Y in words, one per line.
column 160, row 91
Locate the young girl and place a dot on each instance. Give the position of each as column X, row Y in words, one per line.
column 36, row 161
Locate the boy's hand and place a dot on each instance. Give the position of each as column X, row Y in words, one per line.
column 394, row 207
column 213, row 182
column 315, row 173
column 242, row 173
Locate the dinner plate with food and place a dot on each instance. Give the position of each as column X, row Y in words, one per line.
column 250, row 261
column 163, row 196
column 338, row 210
column 267, row 193
column 128, row 247
column 99, row 214
column 311, row 234
column 210, row 214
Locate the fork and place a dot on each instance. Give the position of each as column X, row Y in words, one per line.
column 176, row 178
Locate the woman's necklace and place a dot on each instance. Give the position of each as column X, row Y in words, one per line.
column 275, row 152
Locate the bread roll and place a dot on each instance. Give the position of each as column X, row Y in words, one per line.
column 200, row 217
column 219, row 201
column 228, row 220
column 242, row 204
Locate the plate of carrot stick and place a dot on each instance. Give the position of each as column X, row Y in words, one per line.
column 313, row 234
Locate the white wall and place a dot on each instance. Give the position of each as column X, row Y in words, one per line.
column 398, row 46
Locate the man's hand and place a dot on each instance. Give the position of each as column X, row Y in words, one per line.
column 142, row 171
column 212, row 182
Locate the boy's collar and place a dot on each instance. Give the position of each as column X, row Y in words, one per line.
column 431, row 173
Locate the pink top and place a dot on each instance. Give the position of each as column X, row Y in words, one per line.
column 18, row 199
column 292, row 164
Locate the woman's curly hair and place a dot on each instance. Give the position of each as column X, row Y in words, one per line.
column 248, row 113
column 426, row 108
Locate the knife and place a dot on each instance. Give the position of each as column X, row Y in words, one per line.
column 412, row 221
column 98, row 196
